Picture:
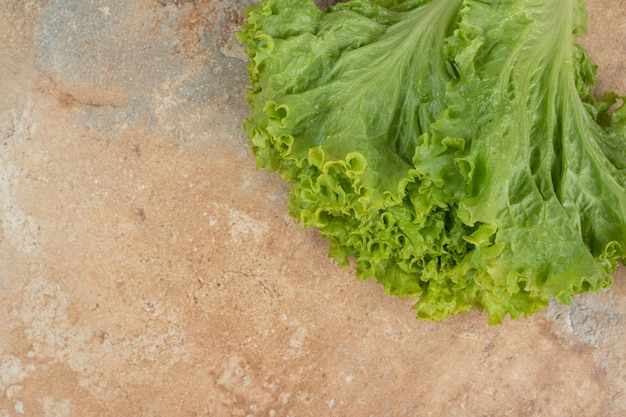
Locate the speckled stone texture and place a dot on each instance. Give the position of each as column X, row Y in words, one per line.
column 146, row 268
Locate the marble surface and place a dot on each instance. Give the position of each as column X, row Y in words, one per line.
column 146, row 268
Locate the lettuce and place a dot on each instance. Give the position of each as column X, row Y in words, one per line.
column 453, row 148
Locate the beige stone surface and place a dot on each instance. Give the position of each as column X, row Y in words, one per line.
column 146, row 268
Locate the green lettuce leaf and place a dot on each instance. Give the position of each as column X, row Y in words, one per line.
column 453, row 148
